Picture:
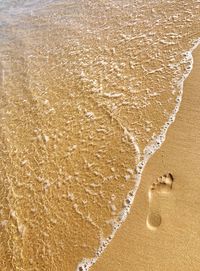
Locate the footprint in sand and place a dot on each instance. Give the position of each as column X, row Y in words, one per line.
column 163, row 185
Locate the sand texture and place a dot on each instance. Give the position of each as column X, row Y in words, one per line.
column 172, row 241
column 88, row 89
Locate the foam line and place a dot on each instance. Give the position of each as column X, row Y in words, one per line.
column 148, row 152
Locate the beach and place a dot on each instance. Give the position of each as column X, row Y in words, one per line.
column 175, row 243
column 88, row 91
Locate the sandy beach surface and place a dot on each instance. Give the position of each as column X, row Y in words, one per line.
column 172, row 241
column 87, row 92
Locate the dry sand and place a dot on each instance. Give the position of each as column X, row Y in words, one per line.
column 175, row 244
column 85, row 87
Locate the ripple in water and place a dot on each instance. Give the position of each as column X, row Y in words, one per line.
column 88, row 90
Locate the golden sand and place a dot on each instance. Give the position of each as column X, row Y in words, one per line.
column 84, row 89
column 174, row 244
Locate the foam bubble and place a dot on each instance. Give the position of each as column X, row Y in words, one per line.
column 148, row 152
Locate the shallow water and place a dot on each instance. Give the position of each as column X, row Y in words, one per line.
column 88, row 89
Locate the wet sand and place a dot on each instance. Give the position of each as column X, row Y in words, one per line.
column 174, row 243
column 85, row 89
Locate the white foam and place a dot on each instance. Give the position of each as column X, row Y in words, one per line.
column 148, row 152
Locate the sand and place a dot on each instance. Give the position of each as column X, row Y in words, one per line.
column 175, row 244
column 85, row 88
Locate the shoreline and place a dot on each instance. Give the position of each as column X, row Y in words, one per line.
column 135, row 210
column 78, row 111
column 149, row 152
